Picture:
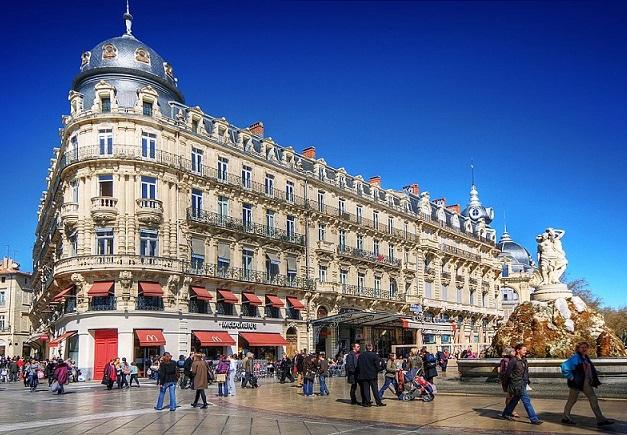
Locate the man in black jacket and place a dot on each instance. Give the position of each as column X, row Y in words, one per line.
column 188, row 376
column 352, row 371
column 369, row 365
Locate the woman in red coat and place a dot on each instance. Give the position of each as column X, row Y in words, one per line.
column 61, row 374
column 109, row 375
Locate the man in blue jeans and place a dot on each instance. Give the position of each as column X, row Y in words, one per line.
column 168, row 372
column 517, row 378
column 323, row 373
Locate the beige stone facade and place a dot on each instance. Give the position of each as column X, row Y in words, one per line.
column 15, row 300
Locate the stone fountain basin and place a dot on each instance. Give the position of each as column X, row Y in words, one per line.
column 609, row 369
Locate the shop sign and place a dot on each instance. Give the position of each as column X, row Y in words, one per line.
column 248, row 326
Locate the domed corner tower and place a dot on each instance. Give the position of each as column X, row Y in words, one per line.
column 123, row 72
column 517, row 270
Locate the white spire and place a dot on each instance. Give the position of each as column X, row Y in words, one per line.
column 128, row 20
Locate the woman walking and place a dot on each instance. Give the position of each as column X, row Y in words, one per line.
column 109, row 374
column 390, row 376
column 222, row 372
column 168, row 373
column 508, row 354
column 201, row 375
column 61, row 374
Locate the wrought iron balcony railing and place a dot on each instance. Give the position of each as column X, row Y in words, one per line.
column 361, row 254
column 149, row 303
column 249, row 275
column 237, row 225
column 367, row 292
column 102, row 303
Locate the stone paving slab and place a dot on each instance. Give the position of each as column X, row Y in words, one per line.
column 279, row 409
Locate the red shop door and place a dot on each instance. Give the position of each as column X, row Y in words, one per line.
column 106, row 347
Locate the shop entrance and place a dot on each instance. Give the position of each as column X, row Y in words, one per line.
column 105, row 348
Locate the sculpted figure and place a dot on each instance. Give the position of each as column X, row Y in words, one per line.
column 551, row 255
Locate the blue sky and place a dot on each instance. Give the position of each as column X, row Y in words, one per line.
column 535, row 93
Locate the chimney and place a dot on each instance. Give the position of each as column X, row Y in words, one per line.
column 455, row 208
column 256, row 128
column 413, row 189
column 375, row 181
column 310, row 152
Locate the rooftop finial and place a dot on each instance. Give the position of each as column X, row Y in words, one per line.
column 472, row 172
column 128, row 19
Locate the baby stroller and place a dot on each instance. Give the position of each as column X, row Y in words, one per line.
column 412, row 385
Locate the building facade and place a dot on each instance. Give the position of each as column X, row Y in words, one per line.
column 517, row 274
column 15, row 300
column 163, row 228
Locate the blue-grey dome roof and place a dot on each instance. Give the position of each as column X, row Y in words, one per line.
column 127, row 52
column 516, row 252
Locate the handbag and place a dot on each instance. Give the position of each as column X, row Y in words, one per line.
column 221, row 377
column 54, row 387
column 40, row 374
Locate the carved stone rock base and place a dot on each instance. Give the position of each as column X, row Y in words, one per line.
column 551, row 292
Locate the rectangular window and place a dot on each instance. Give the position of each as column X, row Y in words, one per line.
column 291, row 269
column 458, row 298
column 361, row 280
column 472, row 298
column 197, row 156
column 375, row 247
column 390, row 224
column 322, row 273
column 2, row 301
column 291, row 227
column 247, row 215
column 106, row 104
column 148, row 242
column 73, row 149
column 270, row 223
column 74, row 191
column 247, row 177
column 105, row 141
column 147, row 108
column 198, row 262
column 360, row 242
column 360, row 214
column 223, row 206
column 391, row 252
column 149, row 188
column 375, row 219
column 269, row 185
column 223, row 169
column 289, row 191
column 445, row 293
column 377, row 286
column 272, row 266
column 224, row 257
column 406, row 257
column 196, row 202
column 342, row 239
column 73, row 238
column 428, row 290
column 104, row 241
column 321, row 201
column 105, row 185
column 321, row 232
column 195, row 126
column 2, row 322
column 343, row 277
column 342, row 205
column 247, row 262
column 149, row 146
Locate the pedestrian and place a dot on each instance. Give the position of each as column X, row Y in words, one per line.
column 134, row 371
column 13, row 370
column 352, row 371
column 369, row 364
column 33, row 375
column 118, row 372
column 222, row 372
column 249, row 366
column 125, row 370
column 442, row 357
column 323, row 373
column 310, row 369
column 298, row 366
column 414, row 363
column 582, row 376
column 232, row 372
column 200, row 371
column 429, row 364
column 390, row 375
column 285, row 369
column 50, row 366
column 109, row 374
column 168, row 377
column 508, row 354
column 61, row 375
column 188, row 377
column 517, row 378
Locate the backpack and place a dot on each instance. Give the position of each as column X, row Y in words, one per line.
column 381, row 363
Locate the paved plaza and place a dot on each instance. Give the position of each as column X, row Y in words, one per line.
column 278, row 409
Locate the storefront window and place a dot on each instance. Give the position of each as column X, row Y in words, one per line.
column 72, row 348
column 428, row 338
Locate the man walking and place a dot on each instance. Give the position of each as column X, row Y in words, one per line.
column 517, row 378
column 352, row 371
column 323, row 373
column 581, row 375
column 368, row 365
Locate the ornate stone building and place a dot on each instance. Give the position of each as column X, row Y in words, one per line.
column 15, row 300
column 517, row 274
column 165, row 228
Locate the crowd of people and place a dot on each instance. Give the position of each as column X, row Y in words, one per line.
column 31, row 372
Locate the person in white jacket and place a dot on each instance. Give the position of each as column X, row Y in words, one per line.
column 232, row 371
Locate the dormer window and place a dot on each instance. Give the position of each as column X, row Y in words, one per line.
column 106, row 104
column 142, row 55
column 147, row 108
column 109, row 51
column 195, row 125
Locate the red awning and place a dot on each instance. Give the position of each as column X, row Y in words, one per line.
column 55, row 342
column 228, row 296
column 214, row 338
column 275, row 301
column 263, row 339
column 410, row 324
column 42, row 337
column 148, row 288
column 202, row 293
column 296, row 304
column 61, row 296
column 100, row 288
column 253, row 299
column 150, row 337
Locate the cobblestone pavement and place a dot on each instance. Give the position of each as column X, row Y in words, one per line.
column 277, row 409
